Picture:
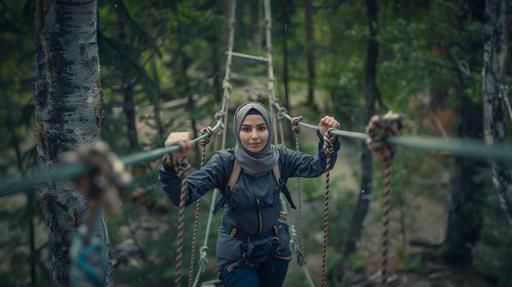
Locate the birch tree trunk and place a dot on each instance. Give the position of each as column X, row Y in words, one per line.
column 495, row 96
column 68, row 112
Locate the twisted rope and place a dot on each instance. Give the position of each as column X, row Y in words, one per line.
column 101, row 186
column 300, row 257
column 182, row 166
column 204, row 143
column 379, row 129
column 328, row 150
column 386, row 208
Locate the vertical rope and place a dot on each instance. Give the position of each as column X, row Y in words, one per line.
column 296, row 130
column 379, row 129
column 328, row 149
column 182, row 166
column 386, row 208
column 193, row 252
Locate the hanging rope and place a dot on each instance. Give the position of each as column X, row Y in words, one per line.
column 379, row 130
column 181, row 166
column 101, row 186
column 328, row 150
column 300, row 256
column 193, row 252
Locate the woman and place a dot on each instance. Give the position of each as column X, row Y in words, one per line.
column 253, row 241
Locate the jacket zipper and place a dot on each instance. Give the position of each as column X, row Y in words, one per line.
column 259, row 219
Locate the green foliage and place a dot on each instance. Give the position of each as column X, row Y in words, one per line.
column 168, row 50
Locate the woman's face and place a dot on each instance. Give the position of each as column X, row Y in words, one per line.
column 254, row 133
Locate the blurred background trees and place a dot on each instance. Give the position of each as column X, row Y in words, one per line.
column 161, row 68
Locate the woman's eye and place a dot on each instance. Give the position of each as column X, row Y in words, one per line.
column 246, row 130
column 262, row 129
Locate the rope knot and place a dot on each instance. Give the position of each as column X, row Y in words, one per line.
column 226, row 85
column 209, row 132
column 182, row 167
column 379, row 130
column 107, row 176
column 219, row 115
column 282, row 111
column 329, row 142
column 295, row 124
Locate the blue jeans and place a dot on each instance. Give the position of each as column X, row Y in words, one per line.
column 270, row 273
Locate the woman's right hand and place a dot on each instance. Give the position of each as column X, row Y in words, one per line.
column 183, row 140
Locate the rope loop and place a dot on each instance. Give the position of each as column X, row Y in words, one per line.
column 226, row 85
column 106, row 179
column 379, row 129
column 282, row 111
column 219, row 115
column 329, row 144
column 209, row 132
column 107, row 176
column 295, row 124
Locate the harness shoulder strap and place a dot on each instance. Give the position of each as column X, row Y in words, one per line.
column 276, row 172
column 235, row 173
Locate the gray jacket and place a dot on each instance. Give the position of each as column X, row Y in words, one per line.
column 253, row 205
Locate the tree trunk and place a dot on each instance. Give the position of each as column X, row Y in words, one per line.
column 371, row 93
column 310, row 50
column 465, row 214
column 467, row 193
column 68, row 112
column 127, row 89
column 495, row 95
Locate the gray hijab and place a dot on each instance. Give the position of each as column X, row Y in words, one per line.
column 255, row 164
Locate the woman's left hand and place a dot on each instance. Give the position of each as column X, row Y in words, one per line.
column 326, row 123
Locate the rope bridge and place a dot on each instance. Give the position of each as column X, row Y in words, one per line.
column 382, row 136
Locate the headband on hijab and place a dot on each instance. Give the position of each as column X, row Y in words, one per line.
column 255, row 164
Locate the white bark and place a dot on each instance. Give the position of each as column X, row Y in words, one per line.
column 69, row 105
column 494, row 95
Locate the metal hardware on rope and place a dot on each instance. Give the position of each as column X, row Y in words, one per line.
column 328, row 150
column 204, row 143
column 106, row 179
column 300, row 258
column 379, row 130
column 182, row 167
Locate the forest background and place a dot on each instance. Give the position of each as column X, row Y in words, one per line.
column 162, row 64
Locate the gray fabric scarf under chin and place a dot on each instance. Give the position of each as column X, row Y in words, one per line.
column 255, row 164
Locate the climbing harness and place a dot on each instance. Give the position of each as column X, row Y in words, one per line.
column 379, row 130
column 107, row 178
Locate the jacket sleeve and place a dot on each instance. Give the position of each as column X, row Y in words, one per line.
column 299, row 164
column 211, row 175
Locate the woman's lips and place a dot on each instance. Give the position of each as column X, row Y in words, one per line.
column 254, row 144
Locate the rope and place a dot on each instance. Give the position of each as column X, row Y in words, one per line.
column 182, row 166
column 460, row 147
column 300, row 257
column 203, row 251
column 328, row 150
column 379, row 130
column 193, row 252
column 101, row 186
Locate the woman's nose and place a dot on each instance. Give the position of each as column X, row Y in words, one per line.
column 254, row 134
